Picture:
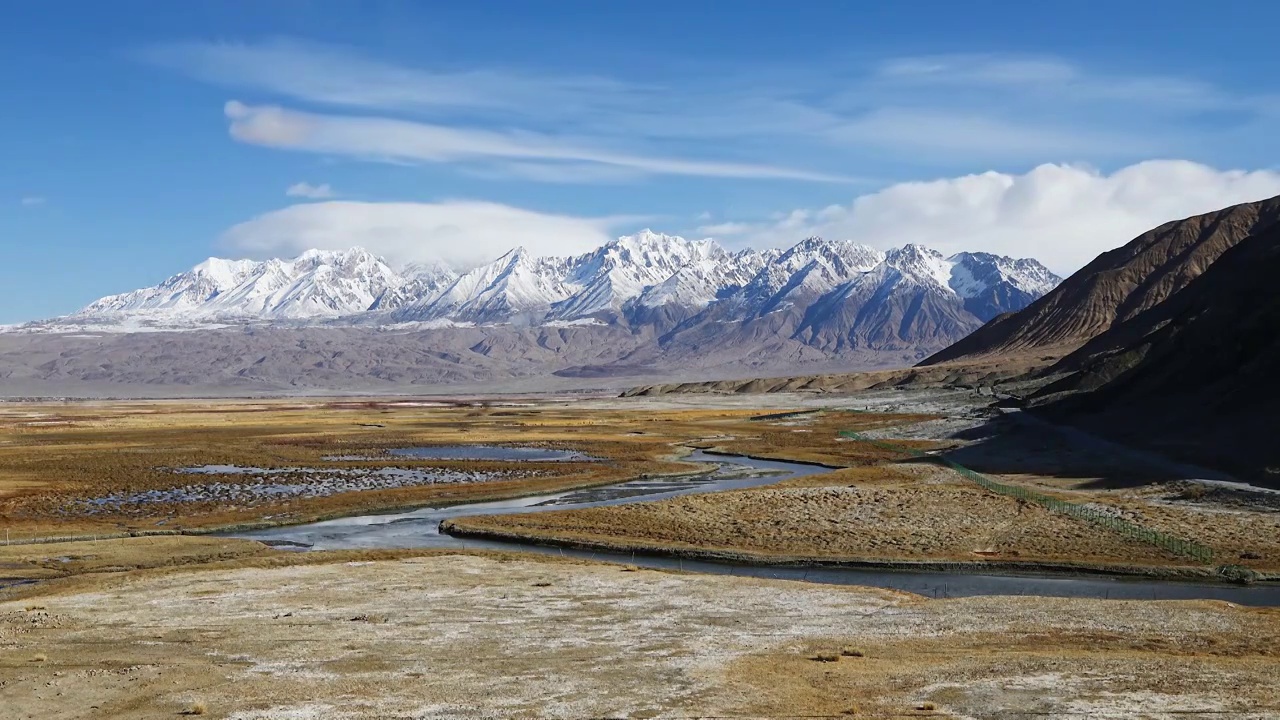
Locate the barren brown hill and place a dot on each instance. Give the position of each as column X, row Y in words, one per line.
column 1117, row 286
column 1197, row 376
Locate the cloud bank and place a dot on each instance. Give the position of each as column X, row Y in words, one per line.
column 1062, row 215
column 460, row 233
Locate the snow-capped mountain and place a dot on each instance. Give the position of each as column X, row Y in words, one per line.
column 515, row 284
column 316, row 284
column 643, row 300
column 421, row 281
column 518, row 287
column 804, row 272
column 625, row 268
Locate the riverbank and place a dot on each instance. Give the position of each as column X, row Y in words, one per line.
column 1044, row 505
column 466, row 528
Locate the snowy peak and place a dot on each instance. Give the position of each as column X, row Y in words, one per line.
column 810, row 268
column 624, row 269
column 974, row 273
column 705, row 279
column 635, row 279
column 513, row 284
column 843, row 256
column 920, row 265
column 224, row 274
column 316, row 284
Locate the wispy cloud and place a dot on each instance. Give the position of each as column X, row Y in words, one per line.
column 556, row 172
column 333, row 75
column 32, row 201
column 313, row 192
column 402, row 140
column 965, row 133
column 1063, row 215
column 1046, row 77
column 762, row 122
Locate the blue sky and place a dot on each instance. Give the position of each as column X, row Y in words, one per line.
column 141, row 137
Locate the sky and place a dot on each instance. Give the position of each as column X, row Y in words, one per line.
column 139, row 138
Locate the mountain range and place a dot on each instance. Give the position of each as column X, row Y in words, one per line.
column 641, row 305
column 647, row 278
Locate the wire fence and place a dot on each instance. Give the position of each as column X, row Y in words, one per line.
column 1170, row 543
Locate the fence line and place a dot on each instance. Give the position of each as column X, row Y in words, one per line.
column 1176, row 545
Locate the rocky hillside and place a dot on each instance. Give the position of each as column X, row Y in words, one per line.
column 1117, row 286
column 1197, row 376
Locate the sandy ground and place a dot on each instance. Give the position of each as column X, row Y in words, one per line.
column 475, row 636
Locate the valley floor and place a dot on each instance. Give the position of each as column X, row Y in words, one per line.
column 346, row 635
column 162, row 624
column 888, row 505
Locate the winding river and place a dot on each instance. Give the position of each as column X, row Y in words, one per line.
column 421, row 528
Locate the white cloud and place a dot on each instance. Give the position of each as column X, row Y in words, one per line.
column 313, row 192
column 332, row 75
column 556, row 172
column 993, row 138
column 1048, row 77
column 401, row 140
column 725, row 229
column 32, row 201
column 1062, row 215
column 460, row 233
column 941, row 112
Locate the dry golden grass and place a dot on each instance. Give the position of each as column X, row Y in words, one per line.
column 877, row 508
column 878, row 512
column 78, row 452
column 47, row 561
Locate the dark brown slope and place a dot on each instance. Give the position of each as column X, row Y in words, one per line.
column 1117, row 286
column 1197, row 377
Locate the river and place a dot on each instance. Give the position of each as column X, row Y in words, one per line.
column 421, row 528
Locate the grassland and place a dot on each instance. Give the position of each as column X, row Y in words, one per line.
column 165, row 625
column 56, row 461
column 888, row 507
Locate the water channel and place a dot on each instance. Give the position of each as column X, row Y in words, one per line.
column 420, row 528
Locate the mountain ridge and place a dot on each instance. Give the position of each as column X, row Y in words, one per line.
column 1196, row 376
column 1116, row 286
column 648, row 305
column 617, row 282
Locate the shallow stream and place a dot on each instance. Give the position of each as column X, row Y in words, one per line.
column 420, row 528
